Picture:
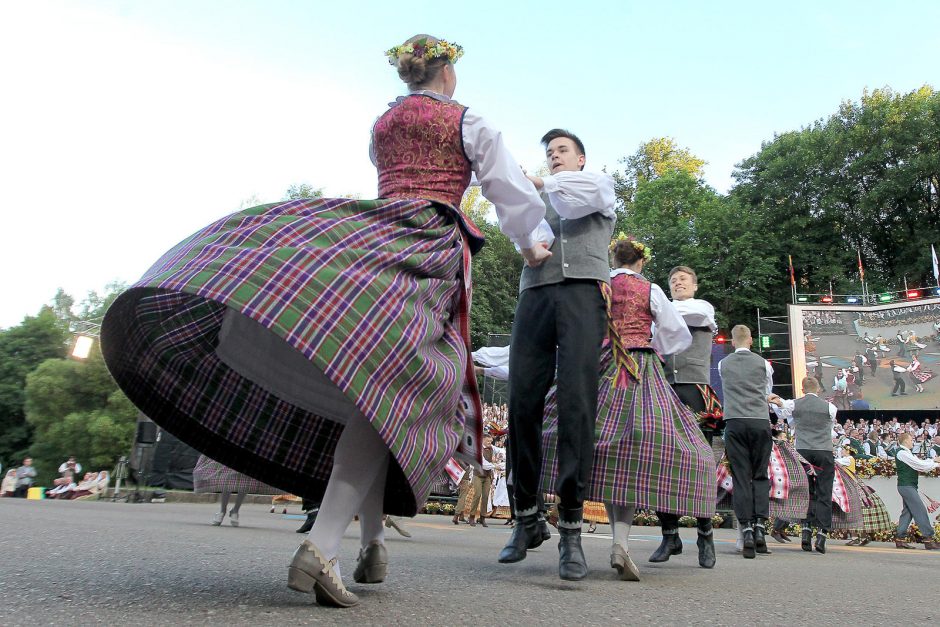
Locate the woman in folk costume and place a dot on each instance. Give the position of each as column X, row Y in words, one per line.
column 856, row 507
column 321, row 345
column 211, row 477
column 649, row 450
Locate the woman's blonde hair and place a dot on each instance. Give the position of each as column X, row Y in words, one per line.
column 414, row 68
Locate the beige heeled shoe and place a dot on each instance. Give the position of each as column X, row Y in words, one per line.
column 620, row 560
column 309, row 572
column 372, row 565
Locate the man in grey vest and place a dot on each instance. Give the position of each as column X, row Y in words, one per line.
column 561, row 320
column 747, row 381
column 689, row 375
column 814, row 419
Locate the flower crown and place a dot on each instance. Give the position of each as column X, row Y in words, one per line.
column 422, row 48
column 640, row 247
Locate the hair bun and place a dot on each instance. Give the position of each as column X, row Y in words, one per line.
column 412, row 69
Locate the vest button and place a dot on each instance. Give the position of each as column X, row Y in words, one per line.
column 566, row 265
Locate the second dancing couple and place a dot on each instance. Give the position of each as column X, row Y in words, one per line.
column 611, row 429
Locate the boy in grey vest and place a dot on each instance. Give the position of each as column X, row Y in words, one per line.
column 747, row 380
column 813, row 418
column 561, row 320
column 689, row 374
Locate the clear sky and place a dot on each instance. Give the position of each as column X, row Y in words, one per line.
column 127, row 125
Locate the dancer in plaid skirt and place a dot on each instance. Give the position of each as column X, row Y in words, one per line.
column 649, row 451
column 209, row 476
column 322, row 345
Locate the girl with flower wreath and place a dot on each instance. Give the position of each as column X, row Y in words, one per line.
column 649, row 451
column 322, row 345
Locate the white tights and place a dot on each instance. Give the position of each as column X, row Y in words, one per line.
column 356, row 486
column 621, row 521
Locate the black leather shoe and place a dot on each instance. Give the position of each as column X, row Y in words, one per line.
column 670, row 545
column 749, row 551
column 308, row 524
column 571, row 563
column 806, row 540
column 821, row 542
column 544, row 531
column 760, row 538
column 525, row 535
column 706, row 548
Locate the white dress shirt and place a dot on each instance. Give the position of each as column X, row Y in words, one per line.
column 697, row 313
column 767, row 368
column 670, row 333
column 575, row 195
column 918, row 464
column 519, row 208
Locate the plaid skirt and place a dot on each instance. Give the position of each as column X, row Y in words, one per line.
column 854, row 518
column 649, row 450
column 796, row 504
column 211, row 476
column 875, row 516
column 348, row 306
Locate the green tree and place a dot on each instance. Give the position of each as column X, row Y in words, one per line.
column 22, row 348
column 495, row 273
column 654, row 159
column 864, row 180
column 303, row 190
column 75, row 408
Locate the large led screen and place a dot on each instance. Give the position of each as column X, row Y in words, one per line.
column 885, row 357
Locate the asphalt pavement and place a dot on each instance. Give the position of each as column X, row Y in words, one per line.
column 88, row 562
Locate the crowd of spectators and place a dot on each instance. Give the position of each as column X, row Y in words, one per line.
column 70, row 484
column 823, row 322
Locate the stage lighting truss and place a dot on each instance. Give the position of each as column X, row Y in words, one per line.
column 85, row 333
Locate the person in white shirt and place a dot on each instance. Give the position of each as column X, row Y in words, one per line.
column 908, row 468
column 560, row 322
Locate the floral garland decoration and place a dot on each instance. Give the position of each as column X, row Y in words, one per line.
column 642, row 248
column 422, row 48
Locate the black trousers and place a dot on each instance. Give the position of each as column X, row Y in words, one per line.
column 748, row 445
column 899, row 385
column 691, row 397
column 819, row 514
column 559, row 325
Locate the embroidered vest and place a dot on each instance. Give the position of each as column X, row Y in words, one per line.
column 907, row 476
column 419, row 153
column 630, row 311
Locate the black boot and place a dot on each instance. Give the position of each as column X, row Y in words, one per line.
column 571, row 563
column 821, row 537
column 308, row 524
column 525, row 535
column 671, row 545
column 706, row 543
column 544, row 531
column 806, row 539
column 749, row 549
column 760, row 537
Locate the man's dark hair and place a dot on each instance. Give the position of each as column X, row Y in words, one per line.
column 555, row 133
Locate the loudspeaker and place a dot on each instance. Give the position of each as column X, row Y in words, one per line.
column 146, row 433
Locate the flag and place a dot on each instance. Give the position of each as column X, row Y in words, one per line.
column 861, row 270
column 793, row 278
column 936, row 270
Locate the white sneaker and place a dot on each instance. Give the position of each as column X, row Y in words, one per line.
column 217, row 519
column 233, row 519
